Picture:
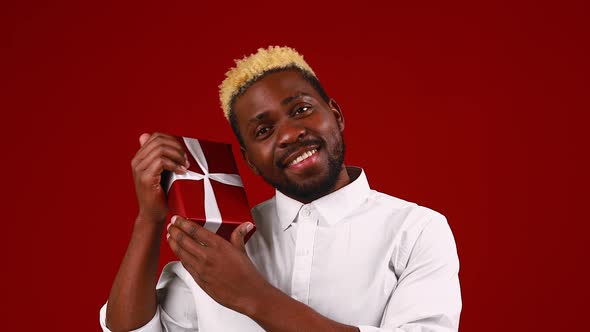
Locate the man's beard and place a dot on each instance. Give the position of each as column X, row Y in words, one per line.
column 319, row 188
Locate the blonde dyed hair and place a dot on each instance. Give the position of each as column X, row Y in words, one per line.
column 252, row 67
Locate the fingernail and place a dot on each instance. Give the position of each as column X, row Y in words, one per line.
column 168, row 227
column 187, row 163
column 173, row 220
column 167, row 236
column 249, row 227
column 182, row 168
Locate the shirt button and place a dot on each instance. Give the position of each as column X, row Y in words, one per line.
column 307, row 213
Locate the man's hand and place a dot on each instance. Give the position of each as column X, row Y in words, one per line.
column 221, row 268
column 158, row 152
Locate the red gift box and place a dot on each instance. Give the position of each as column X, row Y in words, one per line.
column 211, row 193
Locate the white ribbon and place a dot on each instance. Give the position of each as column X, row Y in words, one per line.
column 212, row 213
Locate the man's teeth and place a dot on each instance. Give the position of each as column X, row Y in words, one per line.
column 302, row 157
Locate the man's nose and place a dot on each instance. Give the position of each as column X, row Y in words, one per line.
column 290, row 132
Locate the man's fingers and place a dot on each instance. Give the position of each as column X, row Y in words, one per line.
column 184, row 248
column 237, row 236
column 157, row 135
column 195, row 231
column 162, row 142
column 166, row 157
column 143, row 138
column 152, row 174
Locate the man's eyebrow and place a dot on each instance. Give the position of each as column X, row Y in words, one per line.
column 262, row 115
column 287, row 100
column 258, row 117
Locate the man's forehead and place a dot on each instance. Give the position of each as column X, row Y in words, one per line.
column 278, row 85
column 274, row 90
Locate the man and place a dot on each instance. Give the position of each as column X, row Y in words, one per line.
column 329, row 253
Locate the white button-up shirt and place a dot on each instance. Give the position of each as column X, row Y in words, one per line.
column 356, row 256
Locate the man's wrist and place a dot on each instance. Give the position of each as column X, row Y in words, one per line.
column 258, row 306
column 148, row 227
column 144, row 220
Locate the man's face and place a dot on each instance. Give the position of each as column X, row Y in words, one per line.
column 292, row 137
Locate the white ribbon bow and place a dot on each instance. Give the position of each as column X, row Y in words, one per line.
column 212, row 213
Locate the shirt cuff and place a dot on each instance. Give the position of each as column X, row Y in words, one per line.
column 152, row 326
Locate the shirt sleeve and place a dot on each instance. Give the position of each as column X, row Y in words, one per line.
column 427, row 297
column 176, row 310
column 153, row 325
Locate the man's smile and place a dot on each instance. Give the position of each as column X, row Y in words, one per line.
column 294, row 156
column 298, row 153
column 303, row 160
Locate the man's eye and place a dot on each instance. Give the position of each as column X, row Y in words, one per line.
column 302, row 109
column 262, row 131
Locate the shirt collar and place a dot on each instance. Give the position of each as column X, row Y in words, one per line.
column 332, row 207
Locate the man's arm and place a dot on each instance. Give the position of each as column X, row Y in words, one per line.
column 275, row 311
column 224, row 271
column 132, row 301
column 427, row 296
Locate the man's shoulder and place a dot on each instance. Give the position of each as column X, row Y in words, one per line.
column 408, row 215
column 393, row 202
column 407, row 222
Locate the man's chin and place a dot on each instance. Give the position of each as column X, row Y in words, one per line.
column 312, row 182
column 308, row 190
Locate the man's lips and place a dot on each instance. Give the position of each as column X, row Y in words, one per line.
column 302, row 152
column 304, row 159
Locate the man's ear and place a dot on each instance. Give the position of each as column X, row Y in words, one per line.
column 248, row 162
column 337, row 113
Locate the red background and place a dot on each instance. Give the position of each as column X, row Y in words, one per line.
column 474, row 109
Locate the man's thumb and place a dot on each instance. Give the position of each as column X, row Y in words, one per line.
column 237, row 236
column 143, row 138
